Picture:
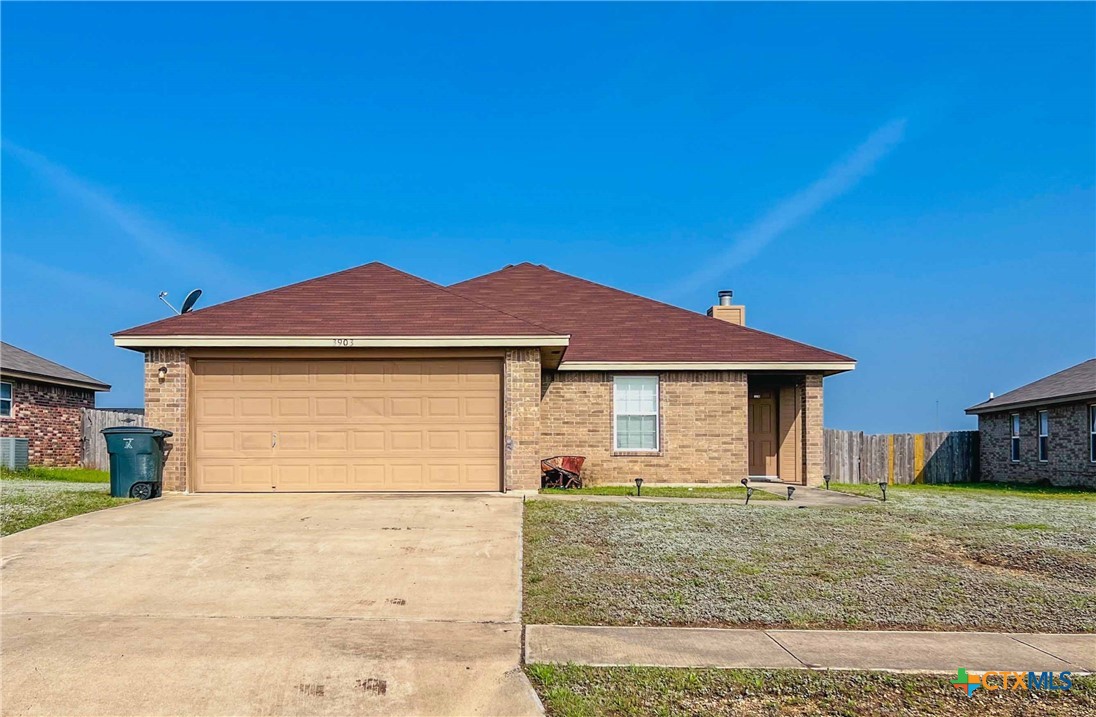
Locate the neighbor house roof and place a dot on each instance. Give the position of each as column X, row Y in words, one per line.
column 610, row 326
column 17, row 363
column 373, row 302
column 1077, row 383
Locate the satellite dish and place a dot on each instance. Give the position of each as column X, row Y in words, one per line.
column 190, row 300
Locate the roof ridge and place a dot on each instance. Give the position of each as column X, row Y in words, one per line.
column 449, row 291
column 690, row 313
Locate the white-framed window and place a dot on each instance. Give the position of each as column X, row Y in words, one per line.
column 1044, row 435
column 1014, row 447
column 5, row 399
column 635, row 413
column 1092, row 433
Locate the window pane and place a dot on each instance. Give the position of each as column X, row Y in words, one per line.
column 5, row 390
column 637, row 432
column 5, row 408
column 636, row 394
column 1016, row 425
column 1092, row 419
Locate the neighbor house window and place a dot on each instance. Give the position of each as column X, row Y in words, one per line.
column 5, row 400
column 1092, row 433
column 1014, row 449
column 635, row 413
column 1044, row 434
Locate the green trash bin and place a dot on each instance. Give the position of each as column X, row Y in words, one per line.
column 136, row 460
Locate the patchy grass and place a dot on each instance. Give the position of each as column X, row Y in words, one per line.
column 727, row 492
column 926, row 560
column 577, row 691
column 969, row 490
column 68, row 475
column 26, row 503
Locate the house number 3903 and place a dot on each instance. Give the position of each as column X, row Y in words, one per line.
column 343, row 342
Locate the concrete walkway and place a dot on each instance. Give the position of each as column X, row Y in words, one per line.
column 942, row 652
column 804, row 497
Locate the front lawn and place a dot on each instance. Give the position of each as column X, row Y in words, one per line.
column 30, row 498
column 969, row 490
column 926, row 559
column 577, row 691
column 68, row 475
column 727, row 492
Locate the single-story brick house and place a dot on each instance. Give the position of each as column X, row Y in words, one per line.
column 1042, row 432
column 41, row 401
column 374, row 379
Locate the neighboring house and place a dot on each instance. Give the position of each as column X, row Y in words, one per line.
column 41, row 401
column 373, row 379
column 1042, row 432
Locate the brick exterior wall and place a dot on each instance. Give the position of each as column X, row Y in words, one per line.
column 814, row 458
column 48, row 416
column 522, row 413
column 702, row 427
column 166, row 407
column 1068, row 462
column 702, row 423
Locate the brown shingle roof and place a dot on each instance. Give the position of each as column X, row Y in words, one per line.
column 14, row 360
column 1075, row 383
column 609, row 325
column 369, row 300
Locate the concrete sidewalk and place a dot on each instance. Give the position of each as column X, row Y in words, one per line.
column 894, row 651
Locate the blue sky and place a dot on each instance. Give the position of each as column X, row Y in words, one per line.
column 912, row 185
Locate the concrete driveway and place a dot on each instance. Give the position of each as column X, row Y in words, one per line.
column 268, row 605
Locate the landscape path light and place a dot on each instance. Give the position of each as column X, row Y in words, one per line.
column 749, row 492
column 639, row 486
column 791, row 489
column 827, row 479
column 883, row 487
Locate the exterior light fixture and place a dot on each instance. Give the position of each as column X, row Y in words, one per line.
column 749, row 492
column 827, row 479
column 744, row 482
column 791, row 489
column 883, row 487
column 639, row 486
column 162, row 373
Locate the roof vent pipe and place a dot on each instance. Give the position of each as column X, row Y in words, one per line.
column 725, row 297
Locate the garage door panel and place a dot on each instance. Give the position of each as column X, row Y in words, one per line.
column 347, row 425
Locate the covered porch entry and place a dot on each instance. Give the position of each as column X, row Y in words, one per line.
column 776, row 431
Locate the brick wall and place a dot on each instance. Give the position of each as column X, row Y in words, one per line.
column 1068, row 447
column 49, row 417
column 813, row 440
column 702, row 427
column 522, row 419
column 166, row 407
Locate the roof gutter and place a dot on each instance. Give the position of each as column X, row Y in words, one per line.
column 829, row 366
column 41, row 378
column 145, row 342
column 983, row 408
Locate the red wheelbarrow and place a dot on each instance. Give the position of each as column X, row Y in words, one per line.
column 561, row 472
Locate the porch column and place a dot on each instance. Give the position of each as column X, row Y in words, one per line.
column 813, row 459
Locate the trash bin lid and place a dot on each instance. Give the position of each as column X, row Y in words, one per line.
column 135, row 431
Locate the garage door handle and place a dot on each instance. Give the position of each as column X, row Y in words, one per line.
column 273, row 440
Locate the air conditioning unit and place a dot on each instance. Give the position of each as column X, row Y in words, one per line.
column 13, row 453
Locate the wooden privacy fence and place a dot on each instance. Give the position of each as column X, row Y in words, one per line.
column 947, row 457
column 93, row 447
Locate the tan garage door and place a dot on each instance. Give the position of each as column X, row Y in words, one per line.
column 289, row 425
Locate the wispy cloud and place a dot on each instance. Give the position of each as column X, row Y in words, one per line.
column 72, row 286
column 837, row 180
column 182, row 258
